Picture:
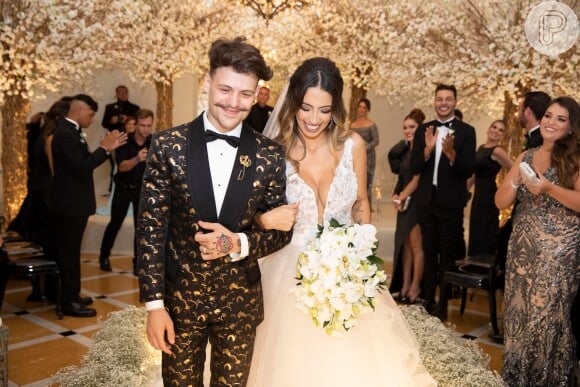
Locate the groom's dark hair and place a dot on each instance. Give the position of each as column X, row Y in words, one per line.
column 243, row 57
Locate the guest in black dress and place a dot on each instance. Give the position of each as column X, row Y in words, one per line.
column 490, row 158
column 130, row 125
column 408, row 256
column 33, row 133
column 38, row 217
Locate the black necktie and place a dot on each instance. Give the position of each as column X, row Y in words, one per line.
column 211, row 136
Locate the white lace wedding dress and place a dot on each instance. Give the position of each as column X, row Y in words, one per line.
column 290, row 351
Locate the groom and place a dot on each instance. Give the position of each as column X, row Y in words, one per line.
column 197, row 244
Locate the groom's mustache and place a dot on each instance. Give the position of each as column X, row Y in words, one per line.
column 231, row 107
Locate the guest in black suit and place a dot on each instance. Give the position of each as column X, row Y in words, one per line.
column 444, row 156
column 131, row 160
column 530, row 112
column 72, row 194
column 115, row 116
column 260, row 111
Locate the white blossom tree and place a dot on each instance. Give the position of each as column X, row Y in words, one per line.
column 171, row 39
column 351, row 35
column 43, row 44
column 356, row 37
column 480, row 47
column 399, row 49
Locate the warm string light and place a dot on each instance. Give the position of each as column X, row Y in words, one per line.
column 269, row 8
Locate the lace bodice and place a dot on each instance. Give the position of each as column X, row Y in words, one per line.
column 341, row 196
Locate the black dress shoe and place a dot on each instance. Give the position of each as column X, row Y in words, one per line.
column 34, row 297
column 76, row 309
column 105, row 264
column 431, row 307
column 85, row 301
column 498, row 338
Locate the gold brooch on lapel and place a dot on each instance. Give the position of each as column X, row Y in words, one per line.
column 246, row 162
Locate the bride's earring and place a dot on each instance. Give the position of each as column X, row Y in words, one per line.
column 331, row 124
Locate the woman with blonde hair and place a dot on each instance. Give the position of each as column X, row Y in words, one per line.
column 490, row 158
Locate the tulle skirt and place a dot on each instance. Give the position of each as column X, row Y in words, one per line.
column 290, row 351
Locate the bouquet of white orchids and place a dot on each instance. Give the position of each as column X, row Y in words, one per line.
column 339, row 276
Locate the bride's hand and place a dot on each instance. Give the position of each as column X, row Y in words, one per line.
column 280, row 218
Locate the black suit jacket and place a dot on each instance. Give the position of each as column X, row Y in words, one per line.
column 177, row 192
column 114, row 109
column 451, row 179
column 71, row 189
column 534, row 140
column 258, row 117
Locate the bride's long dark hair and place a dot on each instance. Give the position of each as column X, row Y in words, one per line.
column 314, row 72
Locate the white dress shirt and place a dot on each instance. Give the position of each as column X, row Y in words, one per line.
column 443, row 131
column 533, row 130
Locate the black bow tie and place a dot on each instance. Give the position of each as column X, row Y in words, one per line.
column 448, row 123
column 211, row 136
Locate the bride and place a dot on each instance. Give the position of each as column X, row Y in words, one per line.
column 326, row 178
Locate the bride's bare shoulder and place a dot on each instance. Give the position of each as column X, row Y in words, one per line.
column 357, row 140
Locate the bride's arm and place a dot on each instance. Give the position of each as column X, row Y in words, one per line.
column 280, row 218
column 361, row 211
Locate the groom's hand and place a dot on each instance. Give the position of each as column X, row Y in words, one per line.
column 218, row 242
column 158, row 325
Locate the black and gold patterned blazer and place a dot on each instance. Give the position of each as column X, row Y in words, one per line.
column 177, row 193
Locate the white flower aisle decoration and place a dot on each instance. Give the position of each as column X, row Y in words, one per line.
column 119, row 356
column 451, row 361
column 339, row 276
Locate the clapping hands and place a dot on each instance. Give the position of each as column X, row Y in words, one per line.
column 113, row 139
column 431, row 135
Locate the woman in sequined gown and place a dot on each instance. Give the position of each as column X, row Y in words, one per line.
column 543, row 261
column 368, row 130
column 326, row 173
column 484, row 217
